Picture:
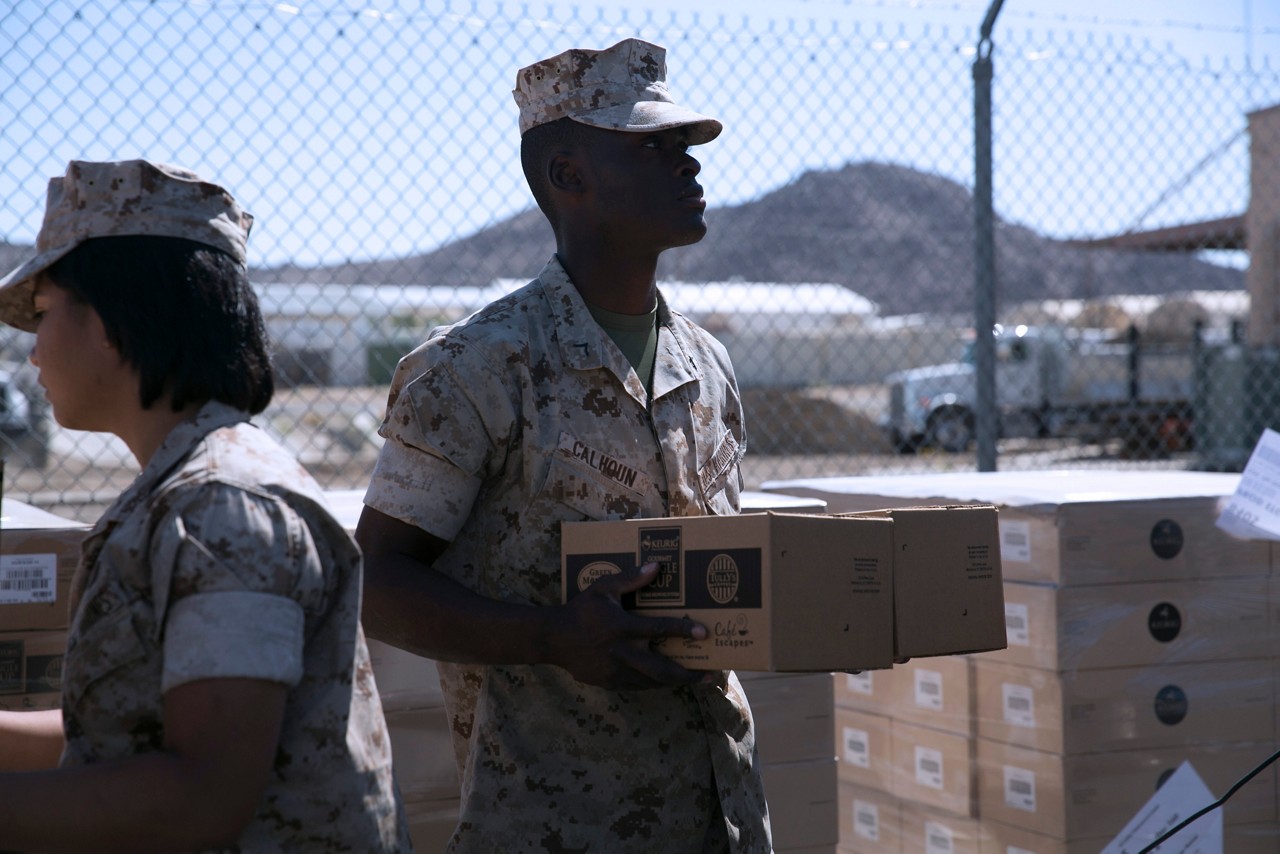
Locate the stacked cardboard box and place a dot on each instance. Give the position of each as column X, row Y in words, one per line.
column 38, row 556
column 906, row 750
column 1140, row 636
column 793, row 718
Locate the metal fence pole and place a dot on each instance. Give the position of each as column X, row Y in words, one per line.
column 985, row 422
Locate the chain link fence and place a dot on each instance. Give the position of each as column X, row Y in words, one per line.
column 378, row 150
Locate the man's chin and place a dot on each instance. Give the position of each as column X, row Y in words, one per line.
column 691, row 236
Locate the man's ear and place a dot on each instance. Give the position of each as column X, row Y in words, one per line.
column 564, row 174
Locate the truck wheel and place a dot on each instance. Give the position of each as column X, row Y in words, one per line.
column 905, row 444
column 951, row 430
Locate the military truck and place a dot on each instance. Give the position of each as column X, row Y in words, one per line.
column 1050, row 382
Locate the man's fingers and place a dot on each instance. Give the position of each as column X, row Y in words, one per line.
column 627, row 582
column 660, row 628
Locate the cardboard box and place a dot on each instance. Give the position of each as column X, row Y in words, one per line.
column 936, row 693
column 777, row 592
column 931, row 832
column 803, row 808
column 794, row 716
column 867, row 690
column 947, row 588
column 1076, row 527
column 864, row 749
column 405, row 680
column 31, row 666
column 999, row 838
column 870, row 821
column 1095, row 795
column 431, row 822
column 39, row 553
column 1125, row 625
column 933, row 768
column 1126, row 708
column 422, row 749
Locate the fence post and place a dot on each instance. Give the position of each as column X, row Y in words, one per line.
column 985, row 416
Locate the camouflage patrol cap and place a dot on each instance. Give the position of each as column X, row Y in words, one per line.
column 623, row 87
column 119, row 199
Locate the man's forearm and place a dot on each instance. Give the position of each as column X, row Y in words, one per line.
column 419, row 610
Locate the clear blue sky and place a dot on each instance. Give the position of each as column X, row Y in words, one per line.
column 352, row 146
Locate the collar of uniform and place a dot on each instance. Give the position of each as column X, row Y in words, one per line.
column 172, row 451
column 585, row 346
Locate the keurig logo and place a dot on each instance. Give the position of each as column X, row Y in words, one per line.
column 592, row 571
column 1166, row 539
column 1164, row 622
column 722, row 579
column 1171, row 705
column 663, row 547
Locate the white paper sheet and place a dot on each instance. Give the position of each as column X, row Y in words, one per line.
column 1253, row 511
column 1182, row 795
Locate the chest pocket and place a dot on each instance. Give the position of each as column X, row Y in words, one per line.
column 104, row 641
column 590, row 494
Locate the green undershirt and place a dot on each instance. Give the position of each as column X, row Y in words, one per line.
column 636, row 336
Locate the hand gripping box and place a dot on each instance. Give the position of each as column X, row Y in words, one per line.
column 776, row 591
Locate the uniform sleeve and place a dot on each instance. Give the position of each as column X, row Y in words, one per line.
column 236, row 568
column 449, row 421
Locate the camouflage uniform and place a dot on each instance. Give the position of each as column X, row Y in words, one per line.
column 220, row 561
column 502, row 427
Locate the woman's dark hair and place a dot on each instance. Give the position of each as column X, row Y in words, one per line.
column 182, row 313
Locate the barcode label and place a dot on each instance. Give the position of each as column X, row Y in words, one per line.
column 1019, row 789
column 929, row 767
column 929, row 690
column 866, row 821
column 938, row 838
column 26, row 579
column 1017, row 625
column 856, row 749
column 1019, row 705
column 1015, row 541
column 860, row 683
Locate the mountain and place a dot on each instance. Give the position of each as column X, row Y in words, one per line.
column 904, row 239
column 898, row 236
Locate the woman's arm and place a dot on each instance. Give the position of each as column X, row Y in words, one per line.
column 30, row 741
column 198, row 792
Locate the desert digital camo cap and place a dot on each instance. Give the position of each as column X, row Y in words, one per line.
column 118, row 199
column 623, row 87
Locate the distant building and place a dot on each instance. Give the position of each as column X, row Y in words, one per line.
column 351, row 335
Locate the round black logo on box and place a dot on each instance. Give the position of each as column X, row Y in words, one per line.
column 1166, row 539
column 1164, row 622
column 1171, row 705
